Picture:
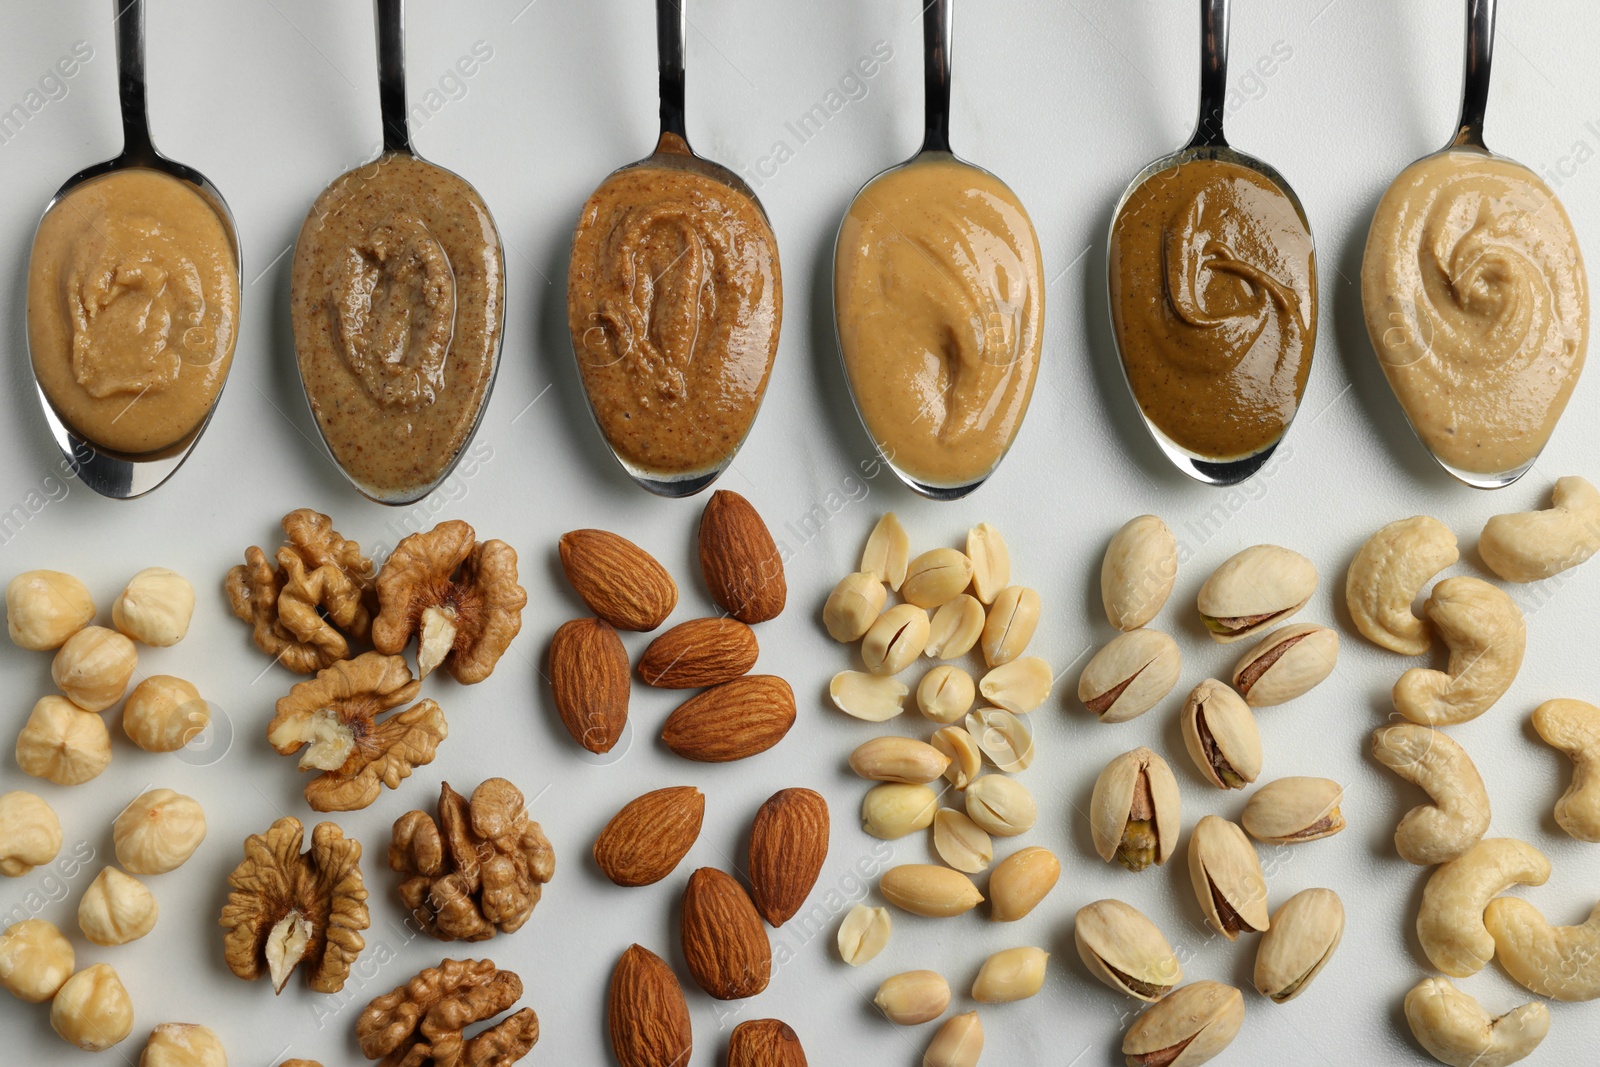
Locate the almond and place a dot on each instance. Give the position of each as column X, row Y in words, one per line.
column 741, row 564
column 765, row 1043
column 788, row 845
column 724, row 943
column 731, row 721
column 589, row 679
column 699, row 653
column 650, row 835
column 621, row 582
column 646, row 1012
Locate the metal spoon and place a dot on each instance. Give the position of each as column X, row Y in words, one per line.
column 1208, row 142
column 121, row 475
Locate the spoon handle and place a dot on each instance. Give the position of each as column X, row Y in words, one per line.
column 672, row 18
column 1213, row 74
column 391, row 16
column 1475, row 82
column 130, row 80
column 936, row 38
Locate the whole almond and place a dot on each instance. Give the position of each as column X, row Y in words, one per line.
column 699, row 653
column 646, row 1013
column 589, row 681
column 739, row 560
column 724, row 941
column 650, row 835
column 621, row 582
column 788, row 845
column 731, row 721
column 765, row 1043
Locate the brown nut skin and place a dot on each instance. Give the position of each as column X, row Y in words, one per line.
column 589, row 682
column 424, row 1021
column 765, row 1043
column 724, row 942
column 621, row 582
column 739, row 560
column 699, row 653
column 731, row 721
column 646, row 1013
column 788, row 846
column 648, row 838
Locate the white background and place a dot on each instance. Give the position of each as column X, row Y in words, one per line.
column 1065, row 100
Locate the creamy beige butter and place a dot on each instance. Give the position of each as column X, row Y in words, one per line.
column 1478, row 306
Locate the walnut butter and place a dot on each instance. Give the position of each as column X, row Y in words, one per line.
column 133, row 309
column 939, row 300
column 1214, row 302
column 1478, row 306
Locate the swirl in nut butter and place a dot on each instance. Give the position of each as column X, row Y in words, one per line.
column 1478, row 307
column 1213, row 299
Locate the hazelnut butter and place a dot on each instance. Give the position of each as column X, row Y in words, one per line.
column 939, row 300
column 133, row 309
column 397, row 299
column 1478, row 306
column 1214, row 303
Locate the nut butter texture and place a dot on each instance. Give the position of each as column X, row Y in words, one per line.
column 1214, row 302
column 939, row 298
column 674, row 299
column 133, row 305
column 396, row 298
column 1478, row 306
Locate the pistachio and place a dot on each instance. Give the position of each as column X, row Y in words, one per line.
column 1125, row 950
column 1136, row 576
column 962, row 843
column 1002, row 806
column 936, row 577
column 863, row 934
column 888, row 551
column 958, row 1043
column 1187, row 1028
column 1010, row 974
column 1129, row 675
column 853, row 606
column 1003, row 737
column 1305, row 930
column 1018, row 686
column 895, row 640
column 957, row 624
column 991, row 561
column 1255, row 589
column 898, row 759
column 924, row 889
column 1288, row 811
column 966, row 761
column 1220, row 733
column 1227, row 878
column 1133, row 812
column 913, row 997
column 1010, row 625
column 1287, row 663
column 945, row 694
column 1020, row 881
column 892, row 811
column 868, row 697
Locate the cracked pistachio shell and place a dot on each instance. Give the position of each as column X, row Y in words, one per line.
column 1133, row 812
column 1287, row 811
column 1010, row 625
column 966, row 761
column 1018, row 686
column 1305, row 930
column 1255, row 589
column 1198, row 1020
column 1124, row 949
column 1003, row 737
column 1130, row 674
column 1137, row 573
column 895, row 640
column 1287, row 663
column 945, row 694
column 1227, row 878
column 1220, row 733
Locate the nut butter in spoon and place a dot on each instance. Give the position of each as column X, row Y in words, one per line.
column 674, row 300
column 398, row 301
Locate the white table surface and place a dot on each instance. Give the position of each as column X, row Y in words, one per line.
column 1065, row 100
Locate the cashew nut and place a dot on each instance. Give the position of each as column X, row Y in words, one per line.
column 1459, row 815
column 1486, row 635
column 1552, row 961
column 1455, row 1029
column 1450, row 923
column 1529, row 545
column 1574, row 727
column 1389, row 570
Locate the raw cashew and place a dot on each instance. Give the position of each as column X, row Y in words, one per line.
column 1459, row 815
column 1552, row 961
column 1486, row 635
column 1529, row 545
column 1450, row 922
column 1455, row 1029
column 1388, row 572
column 1574, row 727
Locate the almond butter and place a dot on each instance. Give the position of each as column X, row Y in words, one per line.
column 646, row 1013
column 724, row 941
column 740, row 562
column 788, row 845
column 621, row 582
column 699, row 653
column 765, row 1043
column 589, row 680
column 650, row 835
column 731, row 721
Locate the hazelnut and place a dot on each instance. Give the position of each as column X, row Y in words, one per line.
column 63, row 743
column 92, row 1009
column 116, row 909
column 94, row 666
column 164, row 713
column 155, row 608
column 183, row 1045
column 158, row 831
column 35, row 959
column 30, row 833
column 44, row 608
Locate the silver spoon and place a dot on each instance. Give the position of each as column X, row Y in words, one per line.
column 121, row 475
column 1208, row 142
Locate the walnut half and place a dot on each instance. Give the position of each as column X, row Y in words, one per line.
column 422, row 1022
column 288, row 908
column 477, row 870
